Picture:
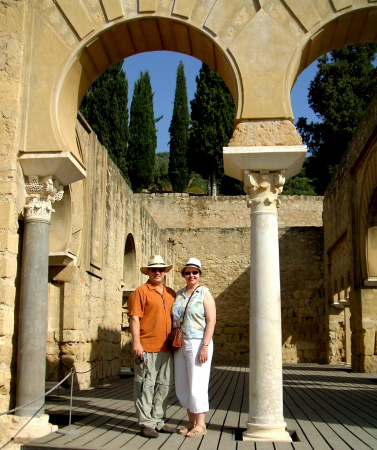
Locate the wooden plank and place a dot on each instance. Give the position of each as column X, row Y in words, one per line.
column 343, row 421
column 283, row 446
column 264, row 445
column 232, row 419
column 328, row 408
column 308, row 429
column 82, row 406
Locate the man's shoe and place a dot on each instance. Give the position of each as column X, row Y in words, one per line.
column 148, row 432
column 168, row 429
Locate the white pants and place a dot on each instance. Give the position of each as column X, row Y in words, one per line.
column 191, row 377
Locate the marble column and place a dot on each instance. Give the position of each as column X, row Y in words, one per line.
column 266, row 421
column 263, row 169
column 31, row 364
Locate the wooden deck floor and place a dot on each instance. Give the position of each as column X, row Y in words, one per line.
column 326, row 407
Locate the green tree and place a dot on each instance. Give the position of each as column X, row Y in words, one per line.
column 212, row 122
column 161, row 181
column 300, row 184
column 143, row 135
column 105, row 108
column 344, row 84
column 179, row 134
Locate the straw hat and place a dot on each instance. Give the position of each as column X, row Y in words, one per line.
column 155, row 261
column 192, row 262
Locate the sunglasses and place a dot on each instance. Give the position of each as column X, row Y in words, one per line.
column 194, row 272
column 158, row 269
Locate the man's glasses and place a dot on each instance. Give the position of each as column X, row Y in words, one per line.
column 194, row 272
column 157, row 269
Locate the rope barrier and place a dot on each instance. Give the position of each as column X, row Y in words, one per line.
column 82, row 372
column 46, row 393
column 72, row 371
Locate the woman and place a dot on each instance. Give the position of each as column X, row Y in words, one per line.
column 192, row 362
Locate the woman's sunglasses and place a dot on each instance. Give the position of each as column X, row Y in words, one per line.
column 194, row 272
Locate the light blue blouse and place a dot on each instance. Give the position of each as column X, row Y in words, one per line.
column 195, row 320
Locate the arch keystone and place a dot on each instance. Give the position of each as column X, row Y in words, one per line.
column 147, row 6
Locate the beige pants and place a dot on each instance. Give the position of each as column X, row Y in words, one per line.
column 152, row 388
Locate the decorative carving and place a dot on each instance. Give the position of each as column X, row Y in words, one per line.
column 40, row 194
column 263, row 188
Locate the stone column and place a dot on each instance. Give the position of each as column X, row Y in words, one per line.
column 31, row 365
column 263, row 170
column 266, row 421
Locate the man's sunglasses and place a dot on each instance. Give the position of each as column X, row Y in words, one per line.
column 158, row 269
column 194, row 272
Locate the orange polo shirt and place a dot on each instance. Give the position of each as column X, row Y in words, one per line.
column 154, row 311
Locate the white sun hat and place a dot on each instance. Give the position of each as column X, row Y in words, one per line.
column 192, row 262
column 155, row 261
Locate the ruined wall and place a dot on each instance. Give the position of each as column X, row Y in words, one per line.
column 217, row 231
column 350, row 287
column 12, row 17
column 86, row 323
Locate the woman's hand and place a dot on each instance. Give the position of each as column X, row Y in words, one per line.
column 203, row 354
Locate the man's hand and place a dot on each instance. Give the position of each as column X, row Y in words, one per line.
column 138, row 350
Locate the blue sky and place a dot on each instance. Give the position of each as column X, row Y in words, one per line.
column 162, row 67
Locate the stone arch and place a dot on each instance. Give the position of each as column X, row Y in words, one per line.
column 259, row 49
column 335, row 293
column 130, row 278
column 126, row 39
column 346, row 26
column 342, row 291
column 371, row 244
column 368, row 221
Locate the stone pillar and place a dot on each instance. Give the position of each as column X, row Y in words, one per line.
column 266, row 421
column 263, row 170
column 31, row 365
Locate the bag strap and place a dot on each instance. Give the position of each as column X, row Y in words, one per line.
column 183, row 317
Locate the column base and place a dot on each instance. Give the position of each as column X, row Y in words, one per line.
column 266, row 432
column 24, row 429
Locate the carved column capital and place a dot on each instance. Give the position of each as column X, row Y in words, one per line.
column 40, row 194
column 263, row 188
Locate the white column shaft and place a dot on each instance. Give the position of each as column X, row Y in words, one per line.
column 266, row 421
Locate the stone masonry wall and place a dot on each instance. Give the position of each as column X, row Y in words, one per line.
column 12, row 16
column 186, row 211
column 346, row 205
column 216, row 230
column 85, row 311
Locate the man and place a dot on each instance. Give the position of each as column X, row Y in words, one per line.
column 149, row 309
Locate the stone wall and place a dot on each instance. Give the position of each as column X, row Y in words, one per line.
column 86, row 296
column 217, row 231
column 350, row 286
column 12, row 18
column 189, row 211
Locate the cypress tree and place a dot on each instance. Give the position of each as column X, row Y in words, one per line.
column 105, row 107
column 344, row 84
column 143, row 138
column 212, row 122
column 178, row 130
